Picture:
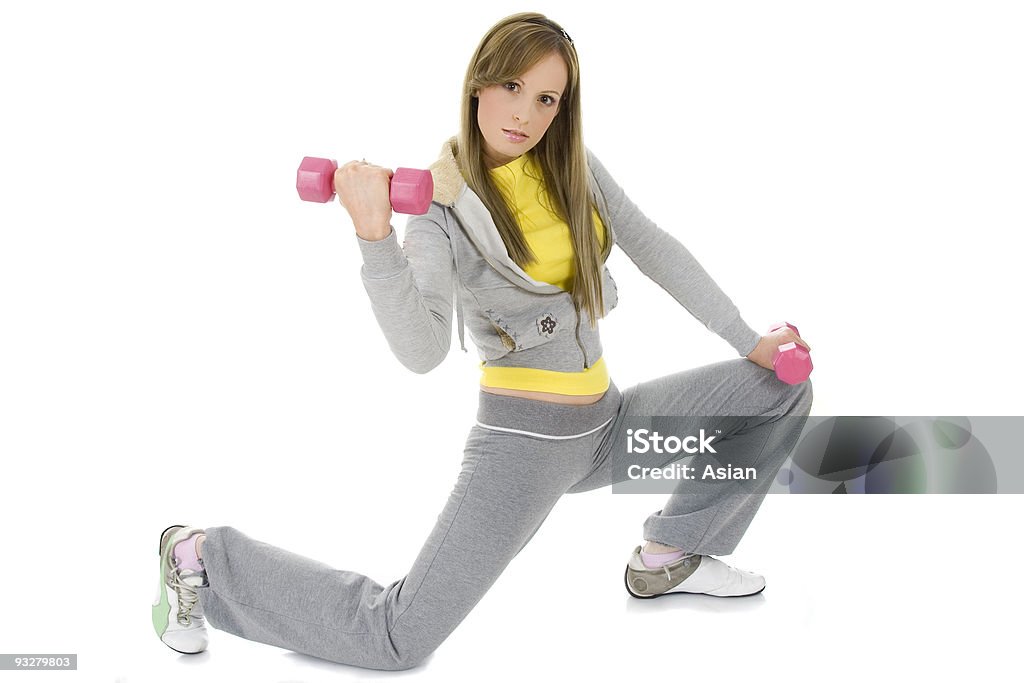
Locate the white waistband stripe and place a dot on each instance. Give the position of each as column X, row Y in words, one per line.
column 543, row 436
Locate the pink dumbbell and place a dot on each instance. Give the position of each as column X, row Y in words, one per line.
column 411, row 189
column 792, row 361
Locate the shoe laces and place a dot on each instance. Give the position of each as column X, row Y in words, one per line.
column 686, row 563
column 184, row 583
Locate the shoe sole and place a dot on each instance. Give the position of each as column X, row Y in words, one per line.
column 625, row 579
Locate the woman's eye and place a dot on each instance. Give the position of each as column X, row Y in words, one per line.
column 550, row 101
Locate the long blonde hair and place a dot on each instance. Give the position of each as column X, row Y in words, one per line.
column 511, row 47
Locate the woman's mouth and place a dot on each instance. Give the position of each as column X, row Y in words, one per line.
column 514, row 136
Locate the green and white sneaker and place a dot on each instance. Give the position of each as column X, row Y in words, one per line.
column 690, row 574
column 177, row 614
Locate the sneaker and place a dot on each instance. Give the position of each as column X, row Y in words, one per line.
column 690, row 574
column 177, row 614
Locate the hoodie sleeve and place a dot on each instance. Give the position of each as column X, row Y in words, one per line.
column 665, row 260
column 410, row 289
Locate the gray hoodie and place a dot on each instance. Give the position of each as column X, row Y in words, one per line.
column 514, row 320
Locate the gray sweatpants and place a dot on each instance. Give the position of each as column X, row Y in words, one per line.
column 520, row 457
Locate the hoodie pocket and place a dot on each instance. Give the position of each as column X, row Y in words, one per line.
column 530, row 328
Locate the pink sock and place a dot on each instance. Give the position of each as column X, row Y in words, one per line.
column 185, row 553
column 655, row 560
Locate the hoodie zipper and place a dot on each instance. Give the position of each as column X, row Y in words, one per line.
column 586, row 364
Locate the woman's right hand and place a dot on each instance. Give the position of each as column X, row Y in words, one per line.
column 365, row 192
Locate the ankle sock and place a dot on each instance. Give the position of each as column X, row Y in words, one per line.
column 655, row 560
column 185, row 553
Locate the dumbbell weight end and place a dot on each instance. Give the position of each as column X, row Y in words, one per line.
column 314, row 180
column 792, row 361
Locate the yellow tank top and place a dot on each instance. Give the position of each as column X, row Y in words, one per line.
column 548, row 237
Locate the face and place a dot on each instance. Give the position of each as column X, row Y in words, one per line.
column 528, row 104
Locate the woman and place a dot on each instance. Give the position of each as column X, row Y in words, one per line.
column 523, row 218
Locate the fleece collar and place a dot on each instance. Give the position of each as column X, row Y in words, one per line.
column 448, row 180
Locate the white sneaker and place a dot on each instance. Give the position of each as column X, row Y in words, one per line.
column 177, row 615
column 690, row 574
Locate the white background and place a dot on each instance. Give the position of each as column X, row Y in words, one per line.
column 182, row 340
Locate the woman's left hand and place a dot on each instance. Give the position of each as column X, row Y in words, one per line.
column 769, row 344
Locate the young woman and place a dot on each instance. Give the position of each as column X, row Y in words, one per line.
column 523, row 219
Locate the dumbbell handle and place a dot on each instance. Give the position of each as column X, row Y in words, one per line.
column 411, row 189
column 792, row 361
